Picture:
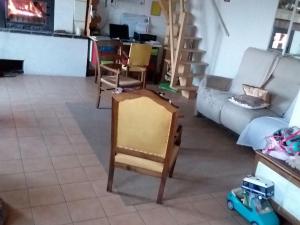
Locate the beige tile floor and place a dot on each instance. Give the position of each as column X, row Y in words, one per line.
column 49, row 175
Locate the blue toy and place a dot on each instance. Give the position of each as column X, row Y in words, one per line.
column 250, row 204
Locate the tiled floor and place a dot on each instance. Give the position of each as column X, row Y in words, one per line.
column 49, row 174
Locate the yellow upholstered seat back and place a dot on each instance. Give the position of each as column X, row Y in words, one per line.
column 143, row 125
column 139, row 54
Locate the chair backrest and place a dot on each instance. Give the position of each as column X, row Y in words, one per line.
column 255, row 68
column 139, row 55
column 109, row 51
column 284, row 84
column 143, row 125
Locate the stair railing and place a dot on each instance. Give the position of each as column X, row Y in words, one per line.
column 221, row 20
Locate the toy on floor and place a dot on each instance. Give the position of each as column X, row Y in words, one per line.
column 251, row 201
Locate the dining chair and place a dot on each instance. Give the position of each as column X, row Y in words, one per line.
column 109, row 68
column 145, row 137
column 138, row 60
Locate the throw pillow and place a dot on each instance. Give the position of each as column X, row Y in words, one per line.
column 249, row 102
column 256, row 92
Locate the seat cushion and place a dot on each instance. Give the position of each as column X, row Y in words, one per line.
column 145, row 164
column 123, row 82
column 137, row 69
column 210, row 102
column 134, row 68
column 139, row 162
column 236, row 118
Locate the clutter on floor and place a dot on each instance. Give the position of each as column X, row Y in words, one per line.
column 284, row 144
column 251, row 201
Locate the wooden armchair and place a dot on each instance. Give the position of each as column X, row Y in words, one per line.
column 138, row 60
column 145, row 136
column 109, row 68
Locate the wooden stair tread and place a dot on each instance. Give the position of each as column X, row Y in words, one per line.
column 168, row 61
column 190, row 75
column 186, row 28
column 183, row 88
column 194, row 63
column 188, row 62
column 193, row 50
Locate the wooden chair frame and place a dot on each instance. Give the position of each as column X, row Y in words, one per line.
column 116, row 57
column 174, row 139
column 114, row 68
column 142, row 69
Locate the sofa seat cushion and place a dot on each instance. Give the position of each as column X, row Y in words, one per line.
column 236, row 118
column 210, row 102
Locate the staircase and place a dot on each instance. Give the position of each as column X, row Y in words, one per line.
column 183, row 55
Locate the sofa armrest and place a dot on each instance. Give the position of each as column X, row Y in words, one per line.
column 217, row 82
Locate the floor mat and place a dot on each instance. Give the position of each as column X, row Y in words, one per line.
column 209, row 160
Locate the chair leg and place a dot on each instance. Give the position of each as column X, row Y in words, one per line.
column 144, row 81
column 96, row 77
column 110, row 176
column 172, row 169
column 161, row 188
column 99, row 95
column 96, row 74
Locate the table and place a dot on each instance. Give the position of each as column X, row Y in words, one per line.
column 286, row 200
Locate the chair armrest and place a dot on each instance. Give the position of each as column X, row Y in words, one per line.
column 125, row 55
column 124, row 58
column 217, row 82
column 110, row 69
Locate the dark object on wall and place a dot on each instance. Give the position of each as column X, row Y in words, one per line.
column 119, row 31
column 10, row 68
column 144, row 37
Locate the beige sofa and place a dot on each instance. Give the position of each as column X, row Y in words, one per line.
column 256, row 67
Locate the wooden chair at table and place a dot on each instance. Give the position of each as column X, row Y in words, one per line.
column 109, row 53
column 138, row 60
column 109, row 69
column 145, row 136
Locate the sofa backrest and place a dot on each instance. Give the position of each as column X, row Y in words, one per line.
column 284, row 84
column 254, row 69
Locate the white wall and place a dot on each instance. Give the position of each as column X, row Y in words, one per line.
column 46, row 55
column 69, row 13
column 208, row 28
column 249, row 23
column 295, row 46
column 112, row 14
